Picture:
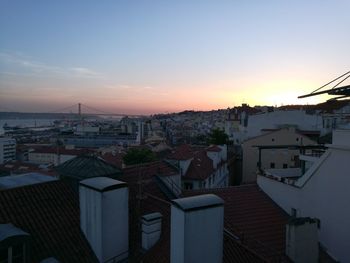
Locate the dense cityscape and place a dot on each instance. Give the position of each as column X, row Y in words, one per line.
column 174, row 131
column 254, row 158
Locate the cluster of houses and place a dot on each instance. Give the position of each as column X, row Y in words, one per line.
column 288, row 204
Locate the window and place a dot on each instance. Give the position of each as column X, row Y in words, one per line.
column 16, row 252
column 297, row 139
column 285, row 166
column 3, row 255
column 188, row 186
column 272, row 165
column 273, row 139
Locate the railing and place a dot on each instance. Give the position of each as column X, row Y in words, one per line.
column 175, row 189
column 315, row 153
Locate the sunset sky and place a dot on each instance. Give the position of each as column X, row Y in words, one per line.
column 164, row 56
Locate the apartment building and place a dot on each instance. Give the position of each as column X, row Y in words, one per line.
column 321, row 191
column 7, row 149
column 201, row 167
column 276, row 153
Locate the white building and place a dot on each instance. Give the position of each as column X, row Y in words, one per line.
column 322, row 192
column 7, row 149
column 52, row 155
column 272, row 157
column 87, row 130
column 201, row 168
column 277, row 119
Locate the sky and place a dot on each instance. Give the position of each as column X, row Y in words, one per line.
column 161, row 56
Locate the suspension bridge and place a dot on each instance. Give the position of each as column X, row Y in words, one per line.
column 81, row 109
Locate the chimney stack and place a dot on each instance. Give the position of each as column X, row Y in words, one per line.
column 104, row 217
column 151, row 229
column 302, row 240
column 197, row 225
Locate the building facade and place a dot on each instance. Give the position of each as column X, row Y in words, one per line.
column 274, row 157
column 7, row 149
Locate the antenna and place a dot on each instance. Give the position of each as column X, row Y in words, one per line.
column 341, row 92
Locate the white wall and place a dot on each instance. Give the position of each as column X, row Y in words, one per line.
column 7, row 149
column 286, row 136
column 104, row 218
column 272, row 120
column 197, row 234
column 184, row 164
column 323, row 193
column 215, row 157
column 48, row 158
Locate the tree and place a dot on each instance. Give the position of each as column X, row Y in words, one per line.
column 218, row 137
column 138, row 156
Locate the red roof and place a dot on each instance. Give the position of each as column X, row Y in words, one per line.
column 154, row 200
column 201, row 167
column 183, row 152
column 254, row 217
column 160, row 168
column 114, row 159
column 49, row 212
column 61, row 150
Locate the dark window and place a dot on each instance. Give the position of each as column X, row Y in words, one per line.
column 297, row 139
column 3, row 255
column 188, row 186
column 17, row 254
column 285, row 166
column 273, row 139
column 272, row 165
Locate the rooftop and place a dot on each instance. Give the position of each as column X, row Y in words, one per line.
column 49, row 212
column 86, row 166
column 284, row 173
column 253, row 217
column 13, row 181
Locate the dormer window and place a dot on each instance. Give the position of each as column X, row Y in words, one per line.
column 13, row 244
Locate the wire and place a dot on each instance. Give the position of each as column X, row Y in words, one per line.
column 331, row 82
column 62, row 109
column 341, row 82
column 110, row 113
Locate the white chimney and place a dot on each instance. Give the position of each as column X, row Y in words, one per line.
column 302, row 240
column 104, row 217
column 151, row 229
column 197, row 225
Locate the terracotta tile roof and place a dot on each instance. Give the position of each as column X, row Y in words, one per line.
column 254, row 217
column 61, row 150
column 154, row 200
column 152, row 169
column 49, row 212
column 234, row 251
column 114, row 159
column 183, row 152
column 201, row 167
column 143, row 178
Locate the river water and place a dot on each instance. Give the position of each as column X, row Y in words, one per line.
column 25, row 123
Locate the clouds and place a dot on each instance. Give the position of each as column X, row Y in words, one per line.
column 21, row 65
